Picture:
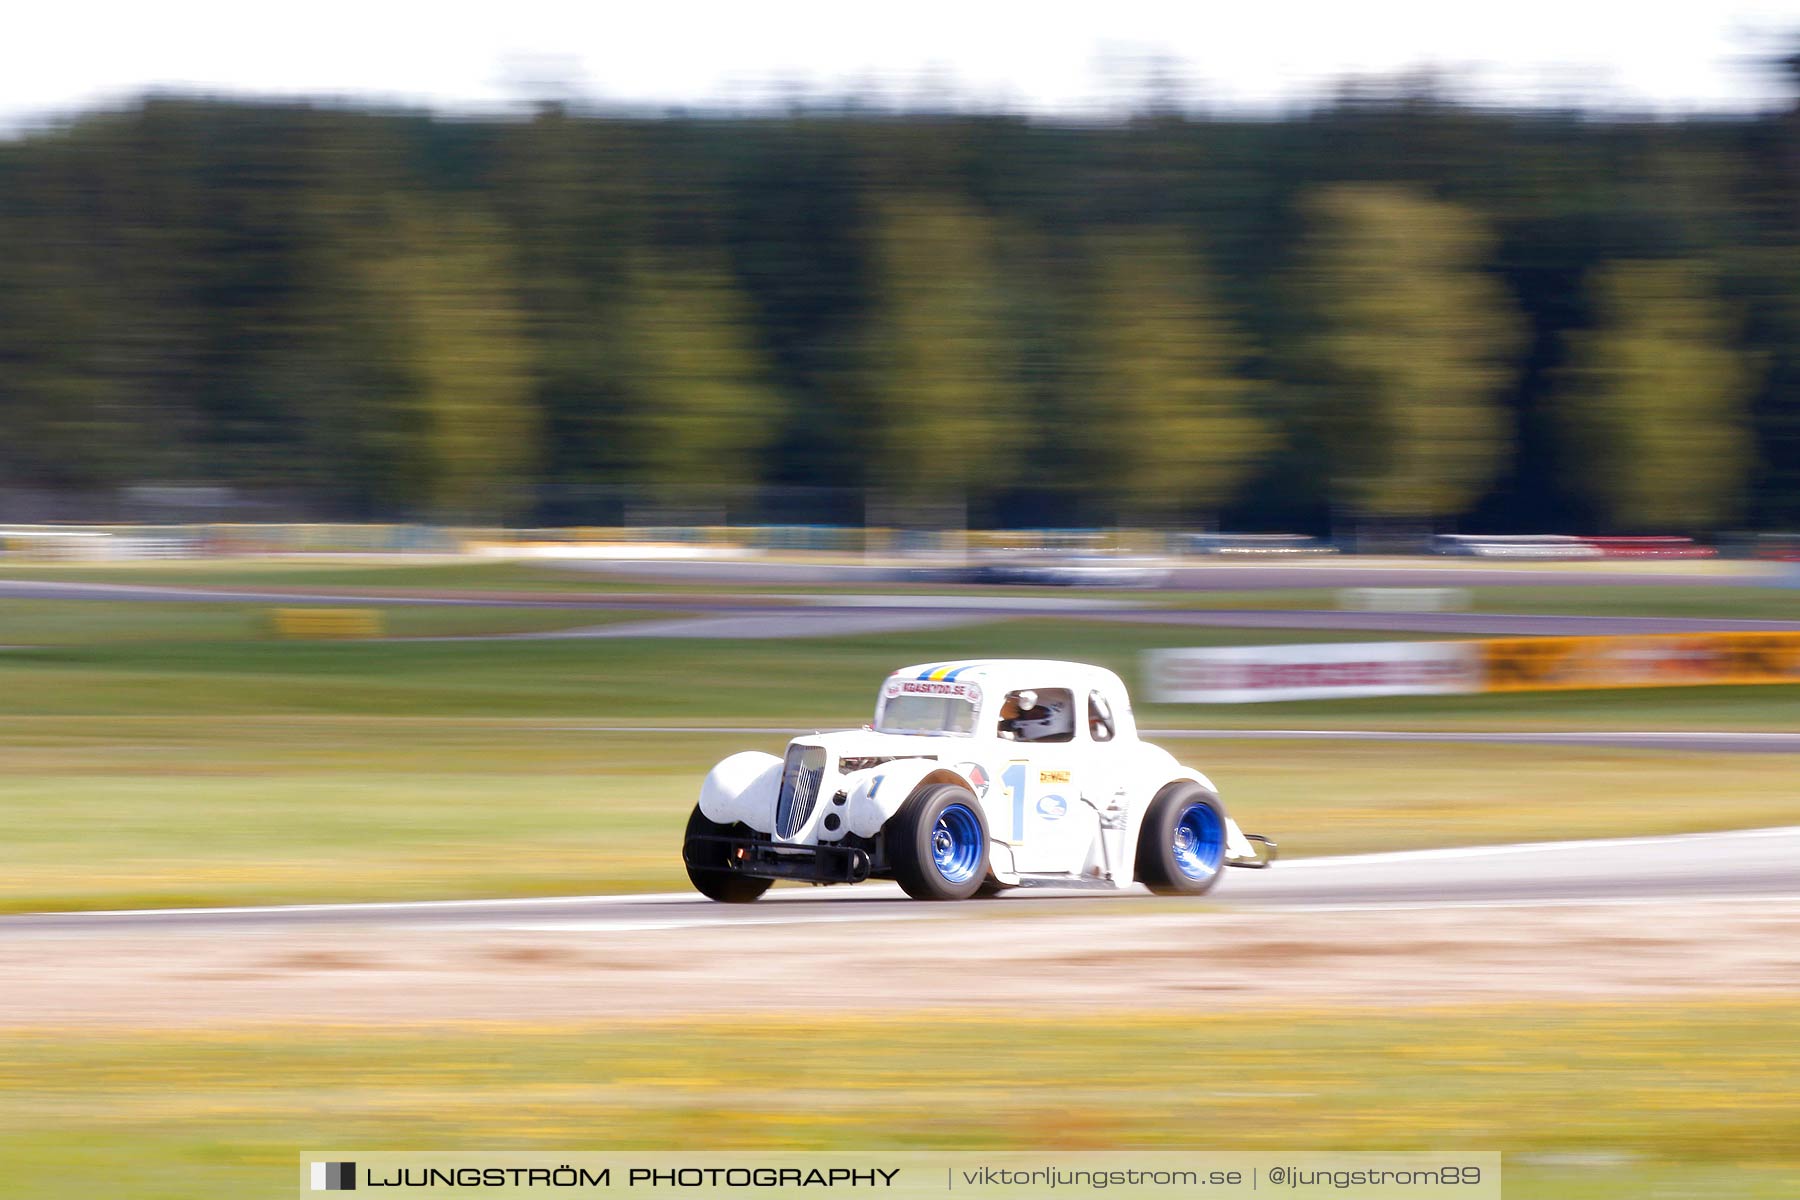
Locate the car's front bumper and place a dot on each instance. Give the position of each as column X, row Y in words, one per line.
column 781, row 860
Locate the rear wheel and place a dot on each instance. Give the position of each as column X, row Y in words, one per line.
column 707, row 864
column 938, row 843
column 1181, row 847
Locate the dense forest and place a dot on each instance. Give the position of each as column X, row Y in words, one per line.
column 1392, row 310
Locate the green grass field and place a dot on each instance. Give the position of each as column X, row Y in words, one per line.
column 165, row 754
column 226, row 810
column 1730, row 602
column 115, row 659
column 1588, row 1102
column 162, row 754
column 1739, row 601
column 103, row 623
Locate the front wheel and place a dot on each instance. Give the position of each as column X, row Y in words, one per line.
column 1181, row 847
column 938, row 843
column 706, row 863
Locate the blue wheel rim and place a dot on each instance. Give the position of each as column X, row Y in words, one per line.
column 1199, row 841
column 956, row 847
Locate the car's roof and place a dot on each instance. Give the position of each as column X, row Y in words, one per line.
column 1002, row 672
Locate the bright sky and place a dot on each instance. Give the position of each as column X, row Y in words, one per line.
column 1041, row 57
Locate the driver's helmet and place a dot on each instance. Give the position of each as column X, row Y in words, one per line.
column 1044, row 721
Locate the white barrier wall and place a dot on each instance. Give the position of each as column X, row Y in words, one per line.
column 1244, row 674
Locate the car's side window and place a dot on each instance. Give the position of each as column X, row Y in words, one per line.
column 1038, row 715
column 1100, row 718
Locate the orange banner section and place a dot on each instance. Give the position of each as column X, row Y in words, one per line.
column 1658, row 660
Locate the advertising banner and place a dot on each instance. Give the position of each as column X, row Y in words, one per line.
column 1658, row 660
column 1244, row 674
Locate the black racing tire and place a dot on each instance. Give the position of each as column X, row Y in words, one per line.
column 938, row 843
column 706, row 864
column 991, row 888
column 1181, row 845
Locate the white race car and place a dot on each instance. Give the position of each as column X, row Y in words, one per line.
column 976, row 777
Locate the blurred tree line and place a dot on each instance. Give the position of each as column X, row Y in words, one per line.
column 1396, row 310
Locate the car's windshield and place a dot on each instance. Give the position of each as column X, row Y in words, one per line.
column 926, row 714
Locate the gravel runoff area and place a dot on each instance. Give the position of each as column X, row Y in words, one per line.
column 1094, row 955
column 1629, row 918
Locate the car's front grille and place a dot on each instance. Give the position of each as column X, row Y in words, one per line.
column 800, row 777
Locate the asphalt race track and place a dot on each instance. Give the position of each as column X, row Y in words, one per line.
column 1747, row 863
column 1477, row 624
column 775, row 616
column 1247, row 575
column 1624, row 739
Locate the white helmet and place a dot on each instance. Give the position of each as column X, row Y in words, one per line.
column 1047, row 720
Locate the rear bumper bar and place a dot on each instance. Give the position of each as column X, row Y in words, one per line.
column 778, row 860
column 1263, row 860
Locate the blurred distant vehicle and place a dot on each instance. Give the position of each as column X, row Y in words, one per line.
column 1065, row 568
column 1254, row 544
column 52, row 543
column 1523, row 546
column 1555, row 546
column 977, row 776
column 1777, row 547
column 1651, row 547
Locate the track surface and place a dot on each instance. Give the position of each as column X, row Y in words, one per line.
column 1748, row 863
column 776, row 616
column 1211, row 576
column 1625, row 739
column 1480, row 624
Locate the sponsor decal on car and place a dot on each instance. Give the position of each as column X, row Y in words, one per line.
column 1052, row 808
column 977, row 777
column 932, row 687
column 1053, row 776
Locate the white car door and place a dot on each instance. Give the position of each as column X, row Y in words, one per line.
column 1040, row 784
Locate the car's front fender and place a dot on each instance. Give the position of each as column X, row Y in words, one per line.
column 876, row 794
column 743, row 787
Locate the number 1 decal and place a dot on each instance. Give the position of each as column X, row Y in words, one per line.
column 1013, row 780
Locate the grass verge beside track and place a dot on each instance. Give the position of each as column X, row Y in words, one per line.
column 1685, row 598
column 160, row 755
column 1729, row 602
column 105, row 659
column 1589, row 1102
column 206, row 628
column 201, row 811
